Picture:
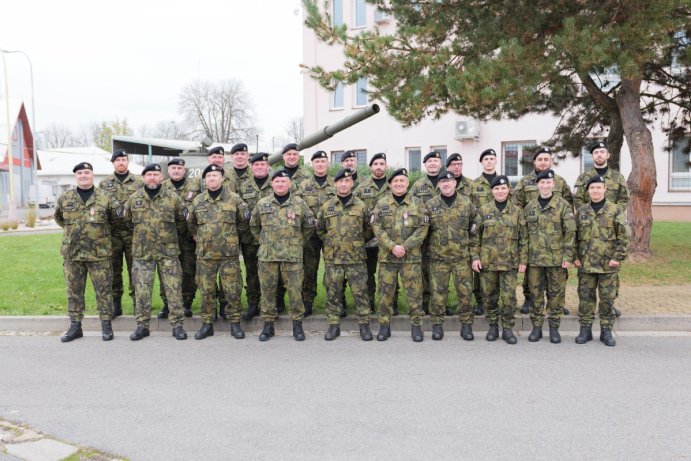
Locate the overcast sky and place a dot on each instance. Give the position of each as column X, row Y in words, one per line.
column 96, row 61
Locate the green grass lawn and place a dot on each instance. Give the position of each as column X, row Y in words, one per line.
column 31, row 280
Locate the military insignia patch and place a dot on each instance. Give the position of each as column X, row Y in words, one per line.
column 405, row 216
column 291, row 215
column 190, row 195
column 138, row 202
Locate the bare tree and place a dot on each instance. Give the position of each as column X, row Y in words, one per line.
column 295, row 129
column 165, row 129
column 221, row 110
column 55, row 136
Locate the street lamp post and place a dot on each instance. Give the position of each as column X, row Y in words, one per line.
column 11, row 204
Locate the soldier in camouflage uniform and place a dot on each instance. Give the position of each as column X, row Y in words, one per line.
column 187, row 190
column 454, row 164
column 218, row 219
column 121, row 185
column 251, row 191
column 425, row 189
column 400, row 222
column 603, row 241
column 315, row 192
column 499, row 248
column 343, row 225
column 282, row 224
column 240, row 171
column 481, row 194
column 551, row 249
column 87, row 215
column 451, row 216
column 349, row 161
column 158, row 216
column 526, row 190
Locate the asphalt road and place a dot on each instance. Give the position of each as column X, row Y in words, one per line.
column 220, row 398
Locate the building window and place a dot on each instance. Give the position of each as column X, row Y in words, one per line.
column 360, row 13
column 413, row 154
column 337, row 13
column 518, row 159
column 337, row 96
column 361, row 155
column 442, row 150
column 361, row 92
column 336, row 157
column 586, row 159
column 680, row 174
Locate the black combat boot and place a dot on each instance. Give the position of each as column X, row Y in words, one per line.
column 74, row 332
column 527, row 305
column 565, row 311
column 187, row 309
column 222, row 310
column 308, row 308
column 107, row 330
column 606, row 337
column 554, row 336
column 585, row 335
column 492, row 333
column 437, row 332
column 165, row 312
column 179, row 332
column 535, row 335
column 333, row 332
column 267, row 331
column 395, row 309
column 449, row 311
column 479, row 309
column 467, row 332
column 205, row 331
column 508, row 336
column 365, row 332
column 139, row 333
column 117, row 306
column 252, row 312
column 236, row 331
column 617, row 312
column 298, row 332
column 416, row 333
column 384, row 332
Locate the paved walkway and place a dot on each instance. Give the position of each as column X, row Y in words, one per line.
column 643, row 300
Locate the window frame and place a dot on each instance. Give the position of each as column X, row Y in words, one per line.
column 679, row 175
column 520, row 159
column 358, row 92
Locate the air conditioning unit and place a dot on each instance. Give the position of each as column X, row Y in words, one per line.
column 466, row 129
column 381, row 17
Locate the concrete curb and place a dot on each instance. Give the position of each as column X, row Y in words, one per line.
column 36, row 324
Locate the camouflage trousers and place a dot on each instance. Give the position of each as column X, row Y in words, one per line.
column 143, row 273
column 292, row 274
column 334, row 278
column 188, row 263
column 477, row 288
column 311, row 254
column 227, row 271
column 425, row 274
column 101, row 274
column 410, row 280
column 372, row 261
column 549, row 281
column 440, row 273
column 606, row 285
column 249, row 257
column 499, row 293
column 527, row 293
column 122, row 247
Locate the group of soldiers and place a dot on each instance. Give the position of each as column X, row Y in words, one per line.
column 417, row 237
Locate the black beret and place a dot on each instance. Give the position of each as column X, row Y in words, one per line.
column 453, row 158
column 259, row 157
column 347, row 154
column 117, row 154
column 433, row 154
column 319, row 154
column 379, row 155
column 547, row 174
column 542, row 150
column 499, row 181
column 445, row 174
column 242, row 147
column 177, row 161
column 282, row 173
column 399, row 172
column 82, row 166
column 151, row 167
column 344, row 173
column 216, row 150
column 594, row 179
column 291, row 146
column 598, row 145
column 487, row 152
column 210, row 168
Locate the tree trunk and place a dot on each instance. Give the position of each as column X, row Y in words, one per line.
column 615, row 139
column 643, row 179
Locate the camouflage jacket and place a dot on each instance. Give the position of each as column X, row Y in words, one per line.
column 344, row 229
column 602, row 236
column 281, row 230
column 238, row 179
column 404, row 224
column 526, row 190
column 367, row 192
column 156, row 223
column 187, row 193
column 617, row 191
column 450, row 228
column 551, row 232
column 500, row 242
column 219, row 224
column 464, row 186
column 300, row 176
column 250, row 193
column 87, row 226
column 315, row 195
column 121, row 191
column 229, row 180
column 424, row 189
column 480, row 192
